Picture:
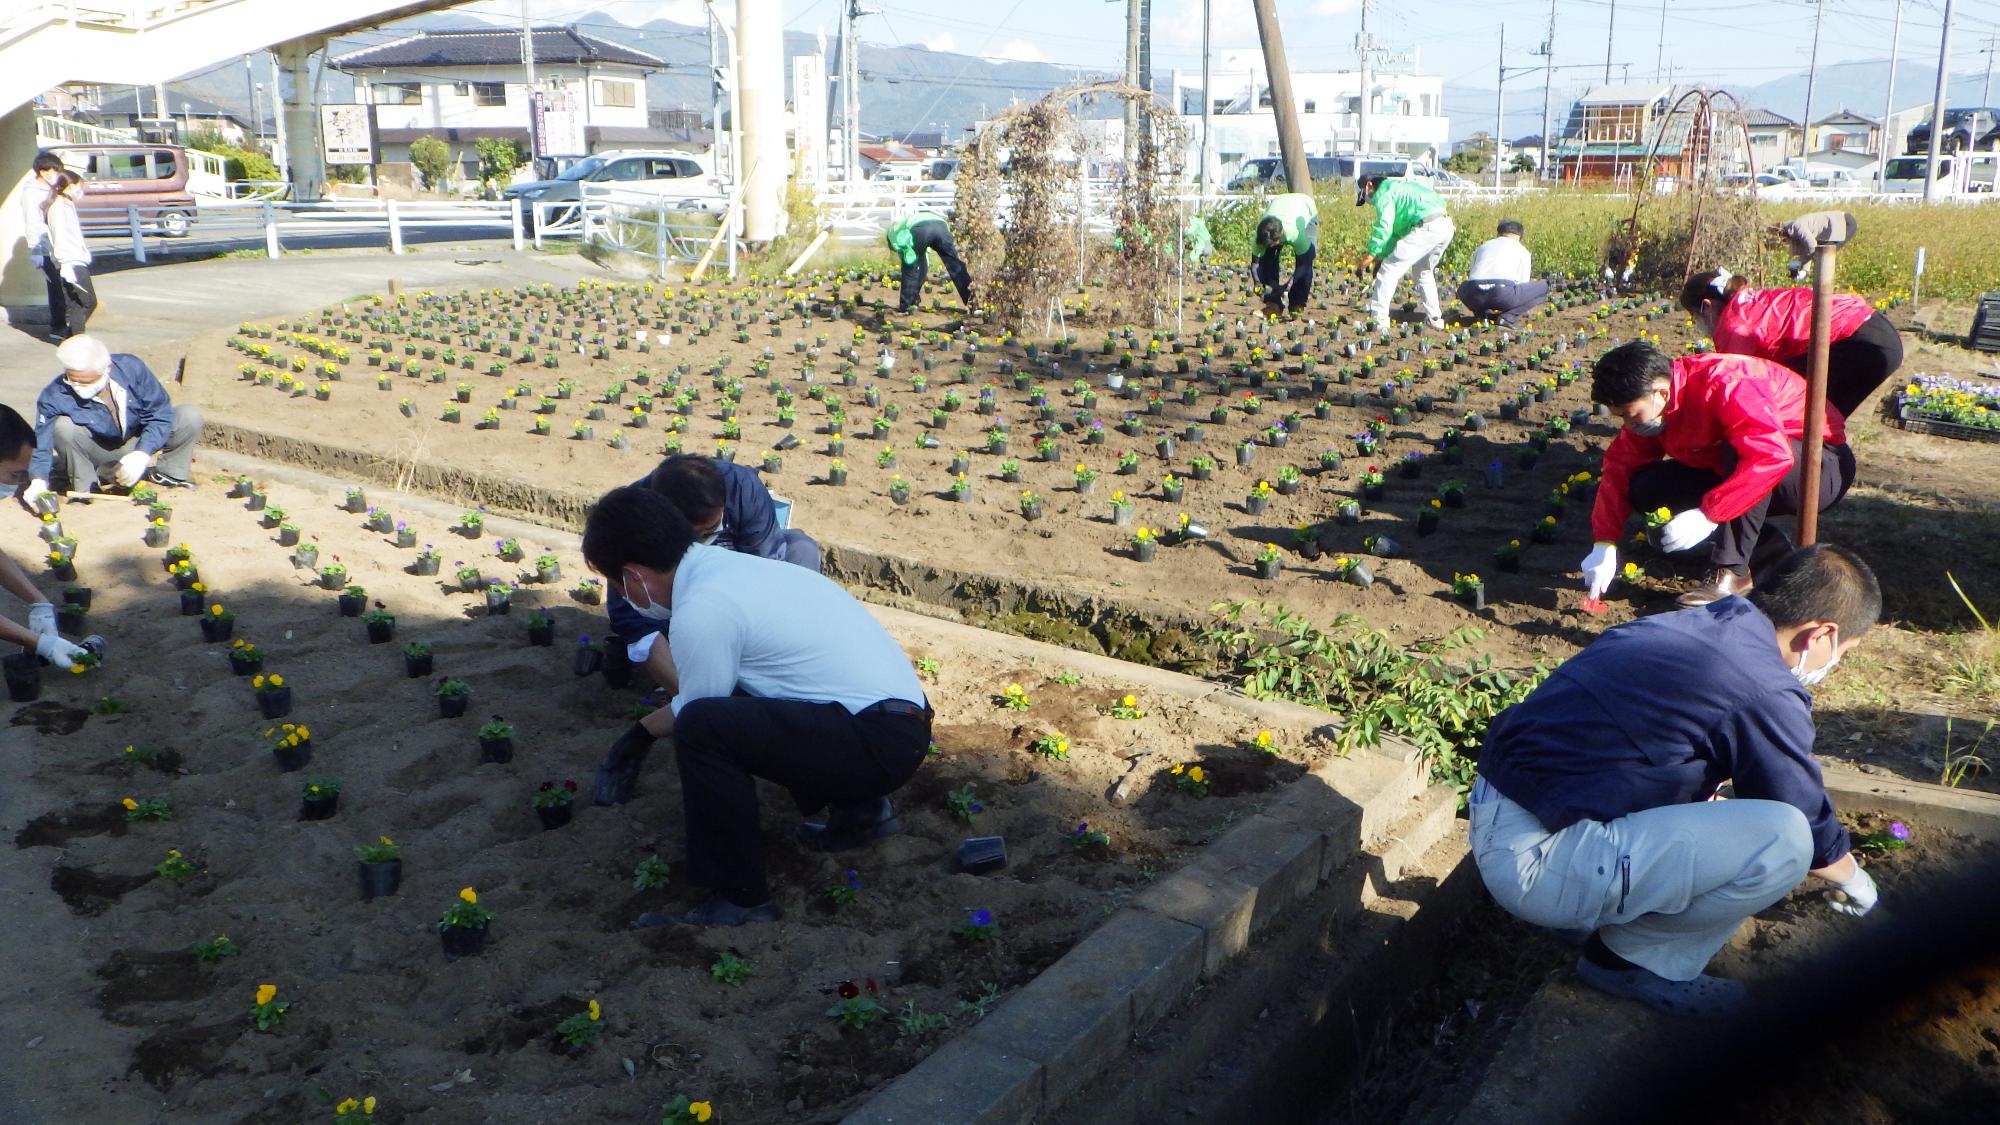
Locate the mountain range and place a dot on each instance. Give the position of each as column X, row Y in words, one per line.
column 913, row 89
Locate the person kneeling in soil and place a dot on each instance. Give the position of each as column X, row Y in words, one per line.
column 17, row 445
column 1591, row 812
column 1863, row 347
column 730, row 508
column 783, row 676
column 107, row 414
column 1718, row 441
column 1290, row 219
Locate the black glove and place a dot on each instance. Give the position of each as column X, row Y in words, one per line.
column 620, row 769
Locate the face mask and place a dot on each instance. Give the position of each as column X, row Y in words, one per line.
column 709, row 539
column 1654, row 428
column 1817, row 674
column 86, row 393
column 652, row 611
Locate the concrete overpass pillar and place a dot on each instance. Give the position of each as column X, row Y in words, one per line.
column 760, row 40
column 304, row 156
column 23, row 297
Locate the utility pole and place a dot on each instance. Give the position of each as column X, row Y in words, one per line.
column 1986, row 87
column 250, row 80
column 1278, row 71
column 850, row 90
column 1362, row 44
column 1937, row 106
column 1812, row 78
column 1548, row 54
column 1660, row 55
column 528, row 76
column 1499, row 104
column 1133, row 14
column 1889, row 102
column 1610, row 30
column 1208, row 99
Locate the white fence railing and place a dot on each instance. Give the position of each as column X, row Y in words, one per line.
column 274, row 221
column 669, row 228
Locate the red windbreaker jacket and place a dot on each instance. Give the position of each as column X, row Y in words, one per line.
column 1777, row 323
column 1734, row 415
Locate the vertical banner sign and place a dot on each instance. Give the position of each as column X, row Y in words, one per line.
column 809, row 117
column 559, row 122
column 347, row 133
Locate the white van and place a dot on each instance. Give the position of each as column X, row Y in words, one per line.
column 1962, row 173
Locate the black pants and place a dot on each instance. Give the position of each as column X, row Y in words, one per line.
column 1300, row 287
column 818, row 751
column 1752, row 540
column 1504, row 301
column 1858, row 365
column 70, row 305
column 933, row 236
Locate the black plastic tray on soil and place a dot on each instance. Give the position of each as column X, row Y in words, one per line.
column 1985, row 334
column 1917, row 424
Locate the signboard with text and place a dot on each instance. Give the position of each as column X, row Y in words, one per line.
column 559, row 116
column 347, row 133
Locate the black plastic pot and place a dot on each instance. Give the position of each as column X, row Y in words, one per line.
column 589, row 660
column 193, row 602
column 1474, row 599
column 351, row 605
column 462, row 941
column 24, row 676
column 498, row 600
column 69, row 622
column 242, row 667
column 215, row 630
column 554, row 816
column 381, row 632
column 380, row 880
column 496, row 749
column 416, row 667
column 292, row 758
column 617, row 666
column 1427, row 521
column 1360, row 576
column 452, row 706
column 424, row 567
column 1145, row 549
column 288, row 537
column 64, row 571
column 542, row 635
column 1268, row 569
column 275, row 704
column 187, row 578
column 319, row 808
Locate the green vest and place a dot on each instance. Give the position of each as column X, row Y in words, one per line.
column 900, row 239
column 1298, row 214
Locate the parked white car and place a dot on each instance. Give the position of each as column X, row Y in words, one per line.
column 680, row 179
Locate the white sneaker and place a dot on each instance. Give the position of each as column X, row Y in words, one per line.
column 1435, row 323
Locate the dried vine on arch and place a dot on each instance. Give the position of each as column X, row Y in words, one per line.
column 1034, row 263
column 1705, row 221
column 1145, row 257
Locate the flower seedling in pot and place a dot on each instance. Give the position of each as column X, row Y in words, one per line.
column 319, row 798
column 274, row 695
column 464, row 926
column 269, row 1011
column 452, row 696
column 554, row 803
column 381, row 867
column 496, row 741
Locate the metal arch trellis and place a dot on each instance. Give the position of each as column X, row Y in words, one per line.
column 1704, row 170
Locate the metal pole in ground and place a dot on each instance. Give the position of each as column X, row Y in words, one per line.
column 1822, row 319
column 1499, row 106
column 1279, row 73
column 1937, row 107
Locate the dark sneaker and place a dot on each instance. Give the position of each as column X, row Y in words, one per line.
column 165, row 481
column 1705, row 995
column 850, row 826
column 713, row 911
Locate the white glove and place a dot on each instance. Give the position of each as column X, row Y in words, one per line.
column 1861, row 894
column 34, row 490
column 1686, row 530
column 42, row 619
column 132, row 467
column 57, row 651
column 1599, row 567
column 68, row 272
column 37, row 259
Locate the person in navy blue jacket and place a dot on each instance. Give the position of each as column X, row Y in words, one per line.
column 1591, row 813
column 729, row 507
column 107, row 414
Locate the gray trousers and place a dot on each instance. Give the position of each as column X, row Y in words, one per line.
column 76, row 447
column 1664, row 888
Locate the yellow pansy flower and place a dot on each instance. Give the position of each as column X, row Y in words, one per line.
column 469, row 895
column 266, row 993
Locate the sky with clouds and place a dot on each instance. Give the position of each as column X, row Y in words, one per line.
column 1738, row 42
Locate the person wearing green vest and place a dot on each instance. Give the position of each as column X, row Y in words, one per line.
column 1411, row 231
column 1290, row 219
column 1199, row 242
column 915, row 233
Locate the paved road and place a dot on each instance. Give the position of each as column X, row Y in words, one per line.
column 153, row 311
column 210, row 239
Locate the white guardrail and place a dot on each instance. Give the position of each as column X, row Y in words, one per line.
column 274, row 220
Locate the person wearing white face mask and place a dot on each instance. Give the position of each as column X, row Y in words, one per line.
column 1591, row 814
column 72, row 296
column 17, row 444
column 784, row 676
column 106, row 419
column 1717, row 441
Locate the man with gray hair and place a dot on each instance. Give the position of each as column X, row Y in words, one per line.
column 107, row 414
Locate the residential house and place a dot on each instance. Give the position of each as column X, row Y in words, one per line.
column 465, row 85
column 125, row 107
column 1774, row 138
column 1854, row 143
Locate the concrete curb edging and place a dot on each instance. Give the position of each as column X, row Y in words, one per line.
column 1962, row 810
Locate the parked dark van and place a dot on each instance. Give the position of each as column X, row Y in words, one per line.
column 153, row 178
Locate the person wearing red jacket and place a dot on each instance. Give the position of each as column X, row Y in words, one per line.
column 1718, row 441
column 1776, row 324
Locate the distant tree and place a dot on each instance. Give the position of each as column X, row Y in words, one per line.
column 1476, row 155
column 1523, row 162
column 239, row 163
column 498, row 157
column 432, row 159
